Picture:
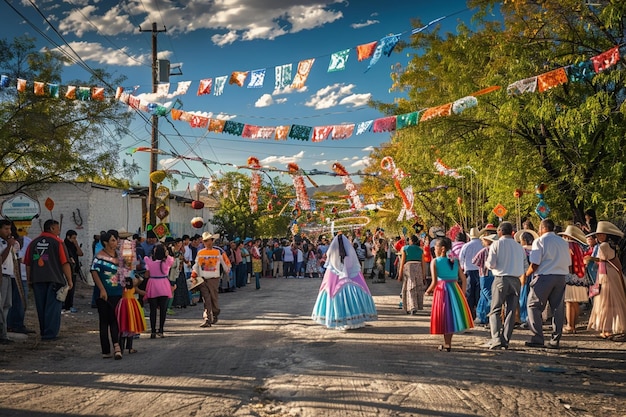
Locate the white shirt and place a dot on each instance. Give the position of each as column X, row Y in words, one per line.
column 506, row 257
column 7, row 265
column 187, row 256
column 300, row 256
column 287, row 254
column 467, row 253
column 21, row 255
column 551, row 253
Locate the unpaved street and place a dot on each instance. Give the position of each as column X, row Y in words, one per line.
column 266, row 357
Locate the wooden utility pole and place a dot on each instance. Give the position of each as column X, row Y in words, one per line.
column 151, row 217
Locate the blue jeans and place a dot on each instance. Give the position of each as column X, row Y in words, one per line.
column 15, row 319
column 257, row 276
column 48, row 309
column 484, row 303
column 473, row 290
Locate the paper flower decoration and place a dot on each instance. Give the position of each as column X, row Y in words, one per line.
column 298, row 183
column 255, row 183
column 349, row 184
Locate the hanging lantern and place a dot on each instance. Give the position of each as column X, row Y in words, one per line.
column 157, row 176
column 197, row 204
column 162, row 212
column 517, row 193
column 162, row 192
column 161, row 230
column 197, row 222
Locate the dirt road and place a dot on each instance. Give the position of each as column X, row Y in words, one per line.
column 266, row 357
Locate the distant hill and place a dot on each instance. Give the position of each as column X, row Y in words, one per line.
column 325, row 189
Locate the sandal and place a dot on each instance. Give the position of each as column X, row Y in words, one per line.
column 441, row 348
column 118, row 351
column 131, row 350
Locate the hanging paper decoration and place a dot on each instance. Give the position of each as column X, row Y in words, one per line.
column 38, row 88
column 365, row 51
column 220, row 82
column 161, row 230
column 462, row 104
column 162, row 212
column 439, row 111
column 216, row 125
column 342, row 131
column 4, row 81
column 157, row 176
column 338, row 60
column 83, row 93
column 257, row 78
column 233, row 128
column 385, row 124
column 266, row 132
column 298, row 183
column 304, row 68
column 182, row 88
column 282, row 132
column 542, row 209
column 388, row 164
column 21, row 85
column 205, row 86
column 199, row 121
column 238, row 77
column 527, row 85
column 551, row 79
column 446, row 170
column 384, row 47
column 406, row 120
column 583, row 71
column 249, row 131
column 162, row 192
column 53, row 90
column 255, row 183
column 605, row 60
column 321, row 133
column 197, row 222
column 300, row 132
column 283, row 76
column 340, row 170
column 363, row 127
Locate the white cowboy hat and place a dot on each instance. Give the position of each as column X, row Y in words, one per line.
column 474, row 233
column 208, row 235
column 492, row 237
column 575, row 233
column 194, row 282
column 607, row 228
column 519, row 233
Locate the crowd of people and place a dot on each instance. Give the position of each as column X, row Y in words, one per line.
column 497, row 277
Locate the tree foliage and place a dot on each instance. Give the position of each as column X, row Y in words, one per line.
column 571, row 137
column 44, row 139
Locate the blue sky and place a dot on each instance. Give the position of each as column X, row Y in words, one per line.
column 215, row 38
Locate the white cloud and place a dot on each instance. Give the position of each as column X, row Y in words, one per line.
column 282, row 159
column 362, row 163
column 368, row 149
column 364, row 24
column 90, row 51
column 335, row 95
column 236, row 20
column 288, row 90
column 324, row 162
column 267, row 100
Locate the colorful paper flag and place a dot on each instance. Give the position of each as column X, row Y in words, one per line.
column 300, row 132
column 216, row 125
column 233, row 128
column 97, row 93
column 38, row 88
column 282, row 132
column 385, row 124
column 257, row 77
column 338, row 60
column 363, row 127
column 21, row 85
column 4, row 81
column 71, row 92
column 220, row 82
column 83, row 93
column 176, row 114
column 199, row 121
column 304, row 68
column 551, row 79
column 266, row 132
column 464, row 103
column 384, row 47
column 238, row 77
column 182, row 88
column 53, row 90
column 439, row 111
column 406, row 120
column 283, row 76
column 205, row 86
column 163, row 89
column 342, row 131
column 365, row 51
column 605, row 60
column 527, row 85
column 321, row 133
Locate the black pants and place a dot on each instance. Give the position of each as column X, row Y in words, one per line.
column 108, row 322
column 161, row 304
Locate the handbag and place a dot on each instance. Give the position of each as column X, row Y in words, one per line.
column 62, row 292
column 594, row 289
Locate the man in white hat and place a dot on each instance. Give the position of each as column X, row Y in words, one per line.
column 549, row 265
column 207, row 268
column 467, row 253
column 507, row 261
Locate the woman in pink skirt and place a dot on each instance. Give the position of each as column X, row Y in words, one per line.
column 158, row 289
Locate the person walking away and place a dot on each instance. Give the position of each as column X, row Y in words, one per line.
column 525, row 237
column 507, row 261
column 109, row 279
column 209, row 263
column 576, row 287
column 47, row 270
column 466, row 254
column 549, row 265
column 75, row 251
column 486, row 280
column 450, row 312
column 411, row 271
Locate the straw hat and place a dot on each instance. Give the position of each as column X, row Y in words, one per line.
column 487, row 229
column 607, row 228
column 575, row 233
column 490, row 237
column 519, row 233
column 123, row 233
column 474, row 233
column 207, row 236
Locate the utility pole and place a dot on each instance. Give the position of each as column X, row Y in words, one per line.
column 151, row 218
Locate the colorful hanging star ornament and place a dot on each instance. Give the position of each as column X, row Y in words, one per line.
column 255, row 183
column 340, row 170
column 49, row 203
column 397, row 174
column 500, row 211
column 542, row 209
column 298, row 183
column 161, row 230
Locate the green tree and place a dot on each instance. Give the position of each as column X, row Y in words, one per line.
column 47, row 139
column 571, row 137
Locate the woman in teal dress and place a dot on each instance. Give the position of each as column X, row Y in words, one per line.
column 412, row 274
